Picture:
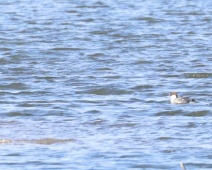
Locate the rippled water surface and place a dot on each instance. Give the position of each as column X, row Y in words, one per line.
column 84, row 84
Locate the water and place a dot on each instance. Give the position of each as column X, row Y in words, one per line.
column 84, row 84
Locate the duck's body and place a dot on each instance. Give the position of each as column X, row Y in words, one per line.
column 174, row 99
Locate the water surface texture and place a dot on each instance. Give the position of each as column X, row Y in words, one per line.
column 85, row 84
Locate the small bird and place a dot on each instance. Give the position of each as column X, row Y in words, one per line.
column 174, row 99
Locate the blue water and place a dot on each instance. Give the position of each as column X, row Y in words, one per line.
column 85, row 84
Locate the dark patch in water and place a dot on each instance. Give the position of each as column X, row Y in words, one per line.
column 45, row 141
column 197, row 75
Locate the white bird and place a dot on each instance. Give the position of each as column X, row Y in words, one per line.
column 174, row 99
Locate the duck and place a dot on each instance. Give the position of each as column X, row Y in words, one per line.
column 174, row 99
